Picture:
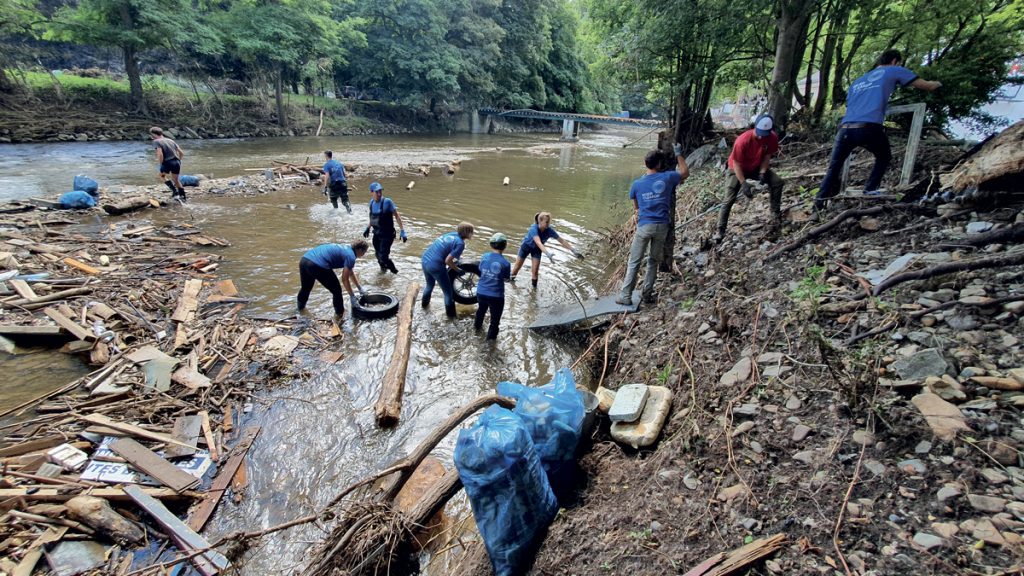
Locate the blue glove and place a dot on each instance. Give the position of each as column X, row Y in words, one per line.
column 401, row 234
column 551, row 258
column 366, row 233
column 362, row 292
column 577, row 254
column 677, row 148
column 353, row 301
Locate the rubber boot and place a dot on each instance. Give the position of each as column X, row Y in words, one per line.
column 391, row 266
column 449, row 310
column 348, row 206
column 171, row 186
column 425, row 301
column 181, row 195
column 533, row 282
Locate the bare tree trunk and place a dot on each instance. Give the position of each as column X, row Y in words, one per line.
column 792, row 26
column 825, row 68
column 279, row 98
column 131, row 68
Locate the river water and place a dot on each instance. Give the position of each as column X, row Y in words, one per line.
column 318, row 432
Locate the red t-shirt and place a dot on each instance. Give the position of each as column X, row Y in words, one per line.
column 750, row 151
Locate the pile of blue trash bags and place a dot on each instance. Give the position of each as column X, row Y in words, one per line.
column 510, row 459
column 83, row 194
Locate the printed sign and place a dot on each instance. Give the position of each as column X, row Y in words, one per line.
column 122, row 473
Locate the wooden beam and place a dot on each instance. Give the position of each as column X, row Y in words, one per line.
column 68, row 324
column 81, row 266
column 31, row 330
column 32, row 446
column 389, row 404
column 62, row 494
column 199, row 515
column 147, row 461
column 189, row 300
column 23, row 289
column 131, row 429
column 208, row 562
column 41, row 301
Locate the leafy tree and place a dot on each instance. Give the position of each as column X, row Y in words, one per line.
column 17, row 17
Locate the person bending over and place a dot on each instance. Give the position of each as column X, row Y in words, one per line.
column 533, row 245
column 441, row 256
column 318, row 265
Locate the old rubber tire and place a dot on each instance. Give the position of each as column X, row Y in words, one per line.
column 375, row 306
column 465, row 284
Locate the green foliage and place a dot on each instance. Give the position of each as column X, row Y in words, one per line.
column 812, row 286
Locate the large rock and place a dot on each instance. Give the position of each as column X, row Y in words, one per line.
column 921, row 365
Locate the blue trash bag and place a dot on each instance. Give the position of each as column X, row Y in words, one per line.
column 86, row 184
column 553, row 414
column 76, row 200
column 188, row 180
column 507, row 488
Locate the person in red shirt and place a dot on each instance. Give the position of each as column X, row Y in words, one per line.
column 751, row 159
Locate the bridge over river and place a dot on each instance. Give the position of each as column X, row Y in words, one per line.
column 570, row 122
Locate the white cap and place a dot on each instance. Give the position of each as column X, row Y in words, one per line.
column 763, row 126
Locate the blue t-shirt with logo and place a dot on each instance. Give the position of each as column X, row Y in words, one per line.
column 653, row 195
column 335, row 170
column 494, row 271
column 435, row 254
column 332, row 256
column 869, row 95
column 535, row 232
column 385, row 206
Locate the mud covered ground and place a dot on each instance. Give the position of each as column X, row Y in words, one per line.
column 787, row 420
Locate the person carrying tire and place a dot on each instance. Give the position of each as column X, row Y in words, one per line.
column 490, row 289
column 169, row 156
column 533, row 246
column 336, row 184
column 442, row 255
column 318, row 265
column 383, row 214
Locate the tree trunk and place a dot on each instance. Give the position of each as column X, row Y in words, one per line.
column 279, row 98
column 825, row 68
column 131, row 64
column 792, row 27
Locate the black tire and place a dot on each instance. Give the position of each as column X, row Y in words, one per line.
column 375, row 306
column 465, row 283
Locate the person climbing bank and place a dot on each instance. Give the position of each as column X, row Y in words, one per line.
column 490, row 289
column 751, row 158
column 318, row 265
column 533, row 245
column 441, row 256
column 335, row 184
column 862, row 127
column 383, row 214
column 169, row 156
column 652, row 196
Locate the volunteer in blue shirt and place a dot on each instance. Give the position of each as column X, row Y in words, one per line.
column 862, row 125
column 318, row 264
column 334, row 176
column 533, row 246
column 383, row 214
column 490, row 289
column 442, row 255
column 652, row 196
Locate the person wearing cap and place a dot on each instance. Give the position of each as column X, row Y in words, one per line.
column 533, row 246
column 383, row 214
column 653, row 196
column 334, row 176
column 490, row 289
column 866, row 102
column 441, row 256
column 751, row 159
column 318, row 265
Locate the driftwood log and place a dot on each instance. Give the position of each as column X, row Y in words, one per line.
column 949, row 268
column 997, row 165
column 125, row 205
column 97, row 513
column 389, row 404
column 822, row 229
column 1009, row 234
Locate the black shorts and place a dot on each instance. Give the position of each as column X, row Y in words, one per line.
column 172, row 166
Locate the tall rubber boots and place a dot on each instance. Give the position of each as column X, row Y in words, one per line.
column 449, row 310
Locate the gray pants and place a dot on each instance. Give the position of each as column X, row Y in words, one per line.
column 732, row 189
column 647, row 236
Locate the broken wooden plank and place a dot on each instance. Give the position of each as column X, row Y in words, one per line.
column 147, row 461
column 32, row 446
column 208, row 562
column 63, row 494
column 186, row 429
column 102, row 420
column 41, row 301
column 201, row 513
column 227, row 288
column 31, row 330
column 23, row 289
column 211, row 444
column 81, row 266
column 721, row 563
column 189, row 301
column 68, row 324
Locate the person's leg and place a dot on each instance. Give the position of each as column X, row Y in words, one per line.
column 330, row 281
column 841, row 150
column 335, row 192
column 428, row 287
column 385, row 251
column 517, row 265
column 164, row 173
column 344, row 197
column 636, row 254
column 378, row 251
column 482, row 304
column 448, row 289
column 306, row 280
column 775, row 186
column 535, row 269
column 877, row 143
column 497, row 307
column 732, row 187
column 657, row 239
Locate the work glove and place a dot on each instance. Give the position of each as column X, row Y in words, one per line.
column 362, row 292
column 401, row 234
column 577, row 254
column 353, row 301
column 746, row 190
column 677, row 148
column 551, row 258
column 325, row 190
column 763, row 178
column 366, row 233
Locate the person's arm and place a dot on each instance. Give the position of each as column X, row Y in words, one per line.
column 181, row 153
column 926, row 85
column 348, row 276
column 681, row 166
column 401, row 225
column 636, row 207
column 764, row 166
column 451, row 262
column 159, row 155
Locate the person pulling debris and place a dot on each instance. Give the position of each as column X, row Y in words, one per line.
column 752, row 154
column 169, row 156
column 861, row 127
column 652, row 196
column 490, row 289
column 383, row 214
column 318, row 264
column 442, row 255
column 533, row 246
column 335, row 185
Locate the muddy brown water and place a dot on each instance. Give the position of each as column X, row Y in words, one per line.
column 318, row 432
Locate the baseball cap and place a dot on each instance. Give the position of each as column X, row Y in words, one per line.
column 375, row 187
column 763, row 125
column 498, row 240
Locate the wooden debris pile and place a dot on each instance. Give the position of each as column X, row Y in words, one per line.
column 160, row 417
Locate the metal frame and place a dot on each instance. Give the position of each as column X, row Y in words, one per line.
column 913, row 142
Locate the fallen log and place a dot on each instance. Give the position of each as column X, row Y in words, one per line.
column 389, row 404
column 97, row 513
column 949, row 268
column 822, row 229
column 1013, row 234
column 997, row 165
column 126, row 205
column 727, row 563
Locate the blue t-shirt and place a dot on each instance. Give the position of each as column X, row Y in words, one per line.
column 332, row 256
column 385, row 206
column 494, row 270
column 869, row 95
column 335, row 170
column 435, row 254
column 653, row 195
column 544, row 235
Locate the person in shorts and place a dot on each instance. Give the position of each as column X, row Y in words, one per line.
column 533, row 246
column 169, row 156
